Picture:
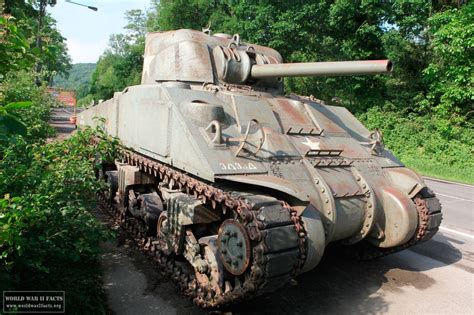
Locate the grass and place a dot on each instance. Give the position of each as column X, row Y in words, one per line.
column 437, row 170
column 431, row 146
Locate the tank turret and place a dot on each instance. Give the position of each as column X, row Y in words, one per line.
column 192, row 56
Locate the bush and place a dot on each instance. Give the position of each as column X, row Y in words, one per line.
column 48, row 238
column 19, row 87
column 432, row 146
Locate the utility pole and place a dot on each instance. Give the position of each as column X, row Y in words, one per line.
column 41, row 13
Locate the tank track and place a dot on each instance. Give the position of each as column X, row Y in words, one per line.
column 429, row 220
column 271, row 267
column 266, row 219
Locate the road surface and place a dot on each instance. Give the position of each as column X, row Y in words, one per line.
column 436, row 277
column 60, row 120
column 458, row 202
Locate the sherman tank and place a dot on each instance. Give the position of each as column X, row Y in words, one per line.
column 234, row 188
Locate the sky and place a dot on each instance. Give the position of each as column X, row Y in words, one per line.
column 87, row 32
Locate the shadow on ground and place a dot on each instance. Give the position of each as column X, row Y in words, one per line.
column 342, row 285
column 337, row 285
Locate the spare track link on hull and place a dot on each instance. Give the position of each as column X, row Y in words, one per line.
column 429, row 220
column 275, row 230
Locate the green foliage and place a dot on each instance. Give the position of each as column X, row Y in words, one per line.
column 425, row 144
column 52, row 55
column 450, row 75
column 120, row 65
column 78, row 79
column 193, row 14
column 13, row 47
column 17, row 105
column 18, row 87
column 10, row 124
column 406, row 42
column 86, row 101
column 48, row 238
column 116, row 70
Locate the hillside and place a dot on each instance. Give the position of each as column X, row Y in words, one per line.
column 78, row 80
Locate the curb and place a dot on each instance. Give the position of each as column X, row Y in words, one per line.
column 447, row 181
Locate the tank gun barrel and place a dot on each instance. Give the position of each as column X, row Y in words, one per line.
column 315, row 69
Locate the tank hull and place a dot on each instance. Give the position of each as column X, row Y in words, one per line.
column 311, row 153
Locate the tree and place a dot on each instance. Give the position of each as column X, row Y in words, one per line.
column 137, row 24
column 449, row 75
column 13, row 47
column 301, row 31
column 52, row 54
column 191, row 14
column 121, row 64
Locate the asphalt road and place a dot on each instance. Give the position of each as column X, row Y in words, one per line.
column 458, row 205
column 60, row 120
column 436, row 277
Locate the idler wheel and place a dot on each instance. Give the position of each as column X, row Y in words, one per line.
column 234, row 247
